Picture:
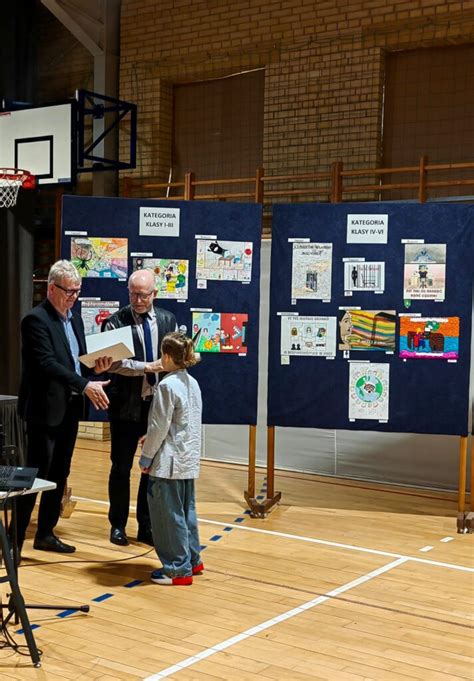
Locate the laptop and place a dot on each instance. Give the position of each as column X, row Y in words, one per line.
column 16, row 478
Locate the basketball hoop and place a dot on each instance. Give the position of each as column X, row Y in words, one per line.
column 11, row 179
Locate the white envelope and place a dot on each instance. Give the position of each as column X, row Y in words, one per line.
column 117, row 343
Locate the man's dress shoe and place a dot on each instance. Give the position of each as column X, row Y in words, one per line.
column 52, row 543
column 145, row 536
column 118, row 536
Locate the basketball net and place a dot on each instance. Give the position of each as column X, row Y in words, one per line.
column 11, row 180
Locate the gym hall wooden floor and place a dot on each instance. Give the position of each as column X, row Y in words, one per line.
column 344, row 581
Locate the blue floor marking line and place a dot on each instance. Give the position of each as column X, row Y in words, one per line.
column 99, row 599
column 135, row 582
column 66, row 613
column 260, row 496
column 247, row 512
column 104, row 597
column 33, row 626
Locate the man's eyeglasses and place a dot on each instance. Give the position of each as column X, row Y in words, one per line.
column 141, row 296
column 70, row 292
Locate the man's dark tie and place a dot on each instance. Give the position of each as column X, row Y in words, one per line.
column 151, row 378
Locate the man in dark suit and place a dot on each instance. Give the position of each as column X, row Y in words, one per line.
column 130, row 397
column 51, row 398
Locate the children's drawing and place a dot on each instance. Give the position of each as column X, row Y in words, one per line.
column 310, row 336
column 367, row 330
column 224, row 260
column 429, row 337
column 224, row 332
column 234, row 332
column 369, row 388
column 311, row 271
column 95, row 312
column 171, row 276
column 100, row 256
column 206, row 331
column 364, row 276
column 425, row 272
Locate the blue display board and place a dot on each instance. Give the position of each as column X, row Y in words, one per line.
column 421, row 383
column 228, row 379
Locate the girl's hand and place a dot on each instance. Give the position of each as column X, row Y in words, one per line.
column 144, row 470
column 141, row 441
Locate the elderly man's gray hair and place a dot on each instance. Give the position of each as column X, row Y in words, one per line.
column 63, row 269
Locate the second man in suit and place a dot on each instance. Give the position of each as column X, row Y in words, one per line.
column 130, row 395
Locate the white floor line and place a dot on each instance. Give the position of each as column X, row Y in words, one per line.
column 425, row 549
column 311, row 540
column 349, row 547
column 224, row 645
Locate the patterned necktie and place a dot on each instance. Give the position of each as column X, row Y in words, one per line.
column 151, row 378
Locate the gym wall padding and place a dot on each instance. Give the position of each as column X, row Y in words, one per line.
column 426, row 396
column 228, row 382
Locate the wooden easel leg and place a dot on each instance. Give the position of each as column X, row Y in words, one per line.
column 257, row 509
column 252, row 460
column 67, row 504
column 464, row 520
column 249, row 493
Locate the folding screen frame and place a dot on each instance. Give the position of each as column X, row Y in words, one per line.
column 465, row 520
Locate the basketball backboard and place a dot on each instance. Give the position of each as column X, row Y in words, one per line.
column 39, row 139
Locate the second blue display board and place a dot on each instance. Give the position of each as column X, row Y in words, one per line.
column 370, row 317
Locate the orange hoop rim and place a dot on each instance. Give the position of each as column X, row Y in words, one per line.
column 13, row 175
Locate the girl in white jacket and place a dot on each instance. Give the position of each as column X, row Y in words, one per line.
column 171, row 451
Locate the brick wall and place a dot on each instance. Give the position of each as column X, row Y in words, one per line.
column 94, row 430
column 324, row 68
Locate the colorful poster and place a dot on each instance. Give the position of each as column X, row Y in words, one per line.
column 224, row 332
column 311, row 336
column 425, row 272
column 94, row 312
column 429, row 337
column 206, row 331
column 369, row 389
column 224, row 260
column 171, row 276
column 100, row 256
column 311, row 271
column 234, row 332
column 367, row 330
column 364, row 276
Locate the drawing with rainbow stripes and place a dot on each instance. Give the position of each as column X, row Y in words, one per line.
column 367, row 330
